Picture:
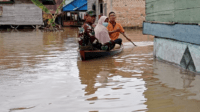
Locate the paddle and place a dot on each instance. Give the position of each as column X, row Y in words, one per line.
column 128, row 39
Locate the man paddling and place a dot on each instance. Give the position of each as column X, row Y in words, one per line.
column 115, row 29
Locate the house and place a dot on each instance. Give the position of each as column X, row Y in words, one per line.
column 73, row 13
column 175, row 25
column 19, row 12
column 97, row 6
column 130, row 13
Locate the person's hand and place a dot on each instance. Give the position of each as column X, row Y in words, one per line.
column 93, row 25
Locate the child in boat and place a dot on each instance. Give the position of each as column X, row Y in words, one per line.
column 87, row 39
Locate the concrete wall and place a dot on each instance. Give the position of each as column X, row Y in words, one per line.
column 97, row 3
column 174, row 51
column 90, row 3
column 177, row 43
column 130, row 13
column 22, row 12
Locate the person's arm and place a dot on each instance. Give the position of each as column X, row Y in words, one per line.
column 88, row 31
column 111, row 32
column 123, row 32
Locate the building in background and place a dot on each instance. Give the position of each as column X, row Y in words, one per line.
column 175, row 25
column 20, row 12
column 98, row 7
column 74, row 12
column 130, row 13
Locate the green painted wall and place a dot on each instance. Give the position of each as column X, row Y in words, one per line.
column 181, row 11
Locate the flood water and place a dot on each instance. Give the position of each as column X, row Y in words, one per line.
column 42, row 72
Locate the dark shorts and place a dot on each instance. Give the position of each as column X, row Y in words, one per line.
column 118, row 41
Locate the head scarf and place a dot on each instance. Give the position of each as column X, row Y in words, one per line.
column 101, row 32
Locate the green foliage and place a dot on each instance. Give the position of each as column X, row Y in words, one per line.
column 41, row 6
column 60, row 6
column 52, row 22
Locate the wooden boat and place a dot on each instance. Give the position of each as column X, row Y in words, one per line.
column 86, row 55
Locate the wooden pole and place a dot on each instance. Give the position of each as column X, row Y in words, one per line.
column 128, row 39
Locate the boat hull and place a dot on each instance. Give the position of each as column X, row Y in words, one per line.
column 87, row 55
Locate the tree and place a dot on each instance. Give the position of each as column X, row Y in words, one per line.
column 44, row 9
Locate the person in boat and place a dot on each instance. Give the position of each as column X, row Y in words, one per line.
column 114, row 28
column 101, row 32
column 87, row 39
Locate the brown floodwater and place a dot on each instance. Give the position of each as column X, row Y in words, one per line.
column 42, row 72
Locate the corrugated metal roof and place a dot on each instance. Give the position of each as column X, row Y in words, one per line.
column 76, row 5
column 67, row 2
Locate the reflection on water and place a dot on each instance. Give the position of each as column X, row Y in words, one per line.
column 172, row 89
column 41, row 71
column 187, row 79
column 112, row 83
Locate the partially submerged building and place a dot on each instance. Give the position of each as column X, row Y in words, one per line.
column 74, row 12
column 175, row 25
column 19, row 12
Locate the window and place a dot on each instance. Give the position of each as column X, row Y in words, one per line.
column 101, row 8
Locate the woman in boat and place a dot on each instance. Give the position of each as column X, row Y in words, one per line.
column 102, row 34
